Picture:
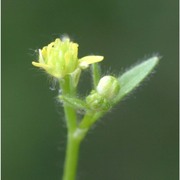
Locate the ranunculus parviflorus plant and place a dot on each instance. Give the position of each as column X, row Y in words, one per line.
column 60, row 60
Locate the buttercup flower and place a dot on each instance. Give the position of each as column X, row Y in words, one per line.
column 60, row 58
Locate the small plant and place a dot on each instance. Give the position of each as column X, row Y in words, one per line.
column 60, row 60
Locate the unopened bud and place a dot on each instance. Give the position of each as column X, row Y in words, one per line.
column 97, row 102
column 108, row 87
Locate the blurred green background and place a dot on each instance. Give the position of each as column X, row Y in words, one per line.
column 138, row 140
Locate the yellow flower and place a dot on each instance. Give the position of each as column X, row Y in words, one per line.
column 60, row 58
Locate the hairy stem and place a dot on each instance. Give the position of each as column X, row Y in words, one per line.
column 71, row 161
column 71, row 121
column 96, row 74
column 70, row 113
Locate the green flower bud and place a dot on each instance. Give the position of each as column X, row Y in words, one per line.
column 108, row 87
column 97, row 102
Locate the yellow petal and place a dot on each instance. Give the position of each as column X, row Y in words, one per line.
column 40, row 65
column 85, row 61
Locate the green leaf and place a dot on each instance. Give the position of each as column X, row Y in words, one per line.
column 133, row 77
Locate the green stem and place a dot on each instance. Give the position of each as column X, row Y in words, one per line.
column 86, row 121
column 89, row 119
column 72, row 142
column 71, row 161
column 70, row 113
column 76, row 132
column 70, row 116
column 96, row 74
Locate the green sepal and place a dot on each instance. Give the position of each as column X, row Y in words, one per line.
column 75, row 77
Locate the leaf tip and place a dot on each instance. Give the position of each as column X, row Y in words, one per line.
column 156, row 58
